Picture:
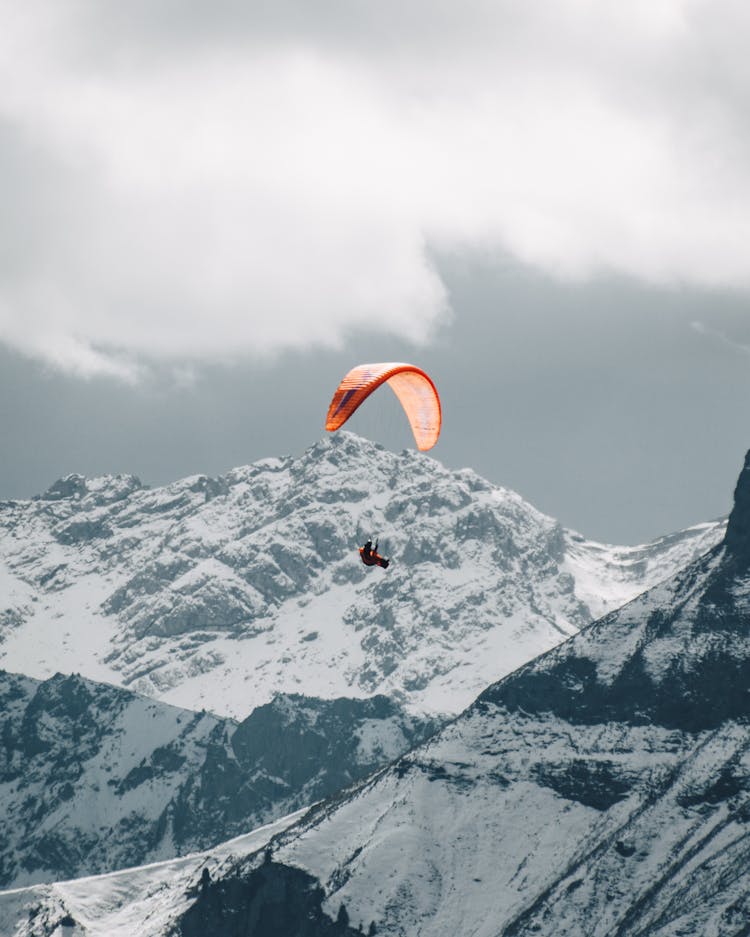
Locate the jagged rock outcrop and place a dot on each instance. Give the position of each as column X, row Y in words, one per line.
column 737, row 536
column 272, row 900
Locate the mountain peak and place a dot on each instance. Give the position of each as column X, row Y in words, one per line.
column 255, row 576
column 103, row 488
column 737, row 537
column 69, row 486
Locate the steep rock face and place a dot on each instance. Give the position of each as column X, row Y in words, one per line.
column 223, row 592
column 737, row 537
column 273, row 899
column 94, row 778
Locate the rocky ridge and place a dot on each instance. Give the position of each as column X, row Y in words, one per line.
column 95, row 778
column 223, row 592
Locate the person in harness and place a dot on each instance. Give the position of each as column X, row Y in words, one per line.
column 371, row 557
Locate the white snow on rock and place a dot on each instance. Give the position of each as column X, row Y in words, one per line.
column 603, row 788
column 220, row 593
column 95, row 778
column 555, row 805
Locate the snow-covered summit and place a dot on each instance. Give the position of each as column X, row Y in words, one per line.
column 222, row 592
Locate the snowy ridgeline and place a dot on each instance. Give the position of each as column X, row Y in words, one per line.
column 220, row 593
column 94, row 778
column 602, row 789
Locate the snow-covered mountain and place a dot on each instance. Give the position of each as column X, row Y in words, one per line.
column 603, row 789
column 220, row 593
column 95, row 778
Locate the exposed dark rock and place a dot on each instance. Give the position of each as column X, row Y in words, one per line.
column 274, row 900
column 737, row 537
column 684, row 699
column 295, row 732
column 83, row 531
column 292, row 751
column 597, row 784
column 211, row 487
column 727, row 784
column 71, row 486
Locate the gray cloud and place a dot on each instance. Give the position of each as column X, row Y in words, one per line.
column 195, row 182
column 597, row 401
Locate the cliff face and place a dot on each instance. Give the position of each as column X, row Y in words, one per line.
column 737, row 537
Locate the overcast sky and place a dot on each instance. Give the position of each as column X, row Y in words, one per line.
column 210, row 211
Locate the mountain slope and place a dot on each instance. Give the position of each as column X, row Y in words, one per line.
column 94, row 778
column 603, row 789
column 222, row 592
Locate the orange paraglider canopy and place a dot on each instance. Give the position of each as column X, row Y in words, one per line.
column 412, row 386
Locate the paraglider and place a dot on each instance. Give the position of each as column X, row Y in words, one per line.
column 413, row 387
column 417, row 395
column 371, row 557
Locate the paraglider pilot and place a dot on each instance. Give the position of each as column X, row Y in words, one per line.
column 371, row 557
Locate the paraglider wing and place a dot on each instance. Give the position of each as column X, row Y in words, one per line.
column 412, row 386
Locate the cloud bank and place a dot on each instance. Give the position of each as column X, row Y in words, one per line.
column 192, row 181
